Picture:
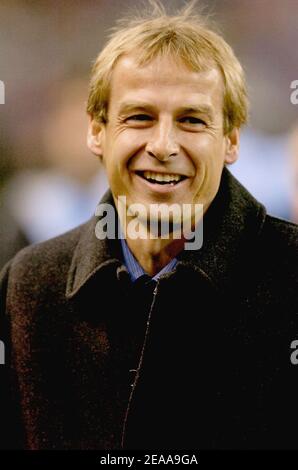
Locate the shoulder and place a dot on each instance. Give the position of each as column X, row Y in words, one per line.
column 40, row 265
column 281, row 234
column 278, row 251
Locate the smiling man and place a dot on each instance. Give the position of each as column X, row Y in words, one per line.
column 137, row 342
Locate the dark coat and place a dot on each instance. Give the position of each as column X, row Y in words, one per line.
column 212, row 353
column 12, row 236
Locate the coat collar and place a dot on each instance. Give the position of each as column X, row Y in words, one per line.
column 232, row 225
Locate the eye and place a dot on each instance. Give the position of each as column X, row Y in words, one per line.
column 191, row 120
column 139, row 117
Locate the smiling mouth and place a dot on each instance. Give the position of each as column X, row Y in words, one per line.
column 161, row 178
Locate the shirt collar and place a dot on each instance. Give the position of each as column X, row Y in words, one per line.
column 135, row 269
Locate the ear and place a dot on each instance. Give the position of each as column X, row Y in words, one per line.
column 232, row 149
column 95, row 137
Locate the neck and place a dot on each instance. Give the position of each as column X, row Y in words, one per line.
column 145, row 240
column 154, row 255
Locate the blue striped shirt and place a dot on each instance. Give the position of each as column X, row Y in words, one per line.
column 135, row 269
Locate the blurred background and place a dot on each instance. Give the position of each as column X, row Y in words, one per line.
column 49, row 180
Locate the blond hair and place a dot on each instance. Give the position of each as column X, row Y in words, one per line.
column 184, row 36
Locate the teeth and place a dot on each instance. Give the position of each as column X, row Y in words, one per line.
column 161, row 176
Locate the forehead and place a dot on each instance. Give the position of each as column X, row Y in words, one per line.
column 165, row 82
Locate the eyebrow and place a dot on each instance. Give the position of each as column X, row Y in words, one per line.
column 199, row 109
column 146, row 107
column 133, row 106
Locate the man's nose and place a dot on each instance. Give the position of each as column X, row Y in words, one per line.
column 163, row 144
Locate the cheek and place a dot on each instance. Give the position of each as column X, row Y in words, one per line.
column 115, row 163
column 209, row 154
column 125, row 148
column 208, row 158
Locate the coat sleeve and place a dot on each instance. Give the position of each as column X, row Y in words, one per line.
column 11, row 432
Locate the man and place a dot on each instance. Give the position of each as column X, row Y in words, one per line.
column 137, row 342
